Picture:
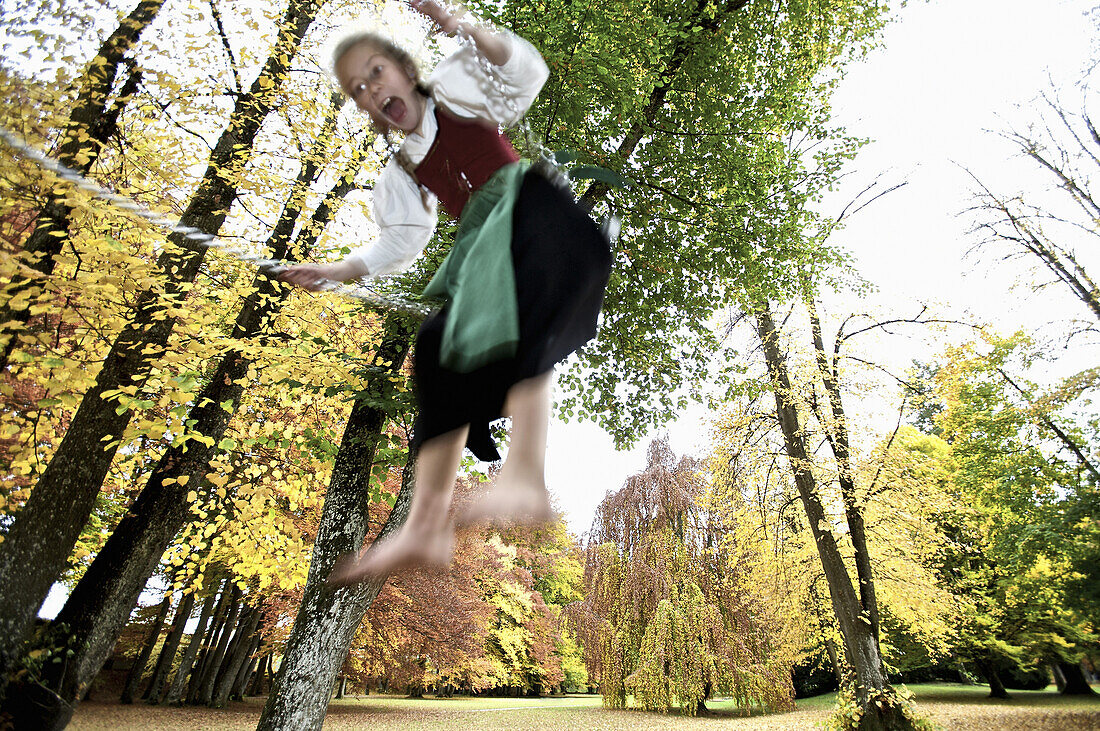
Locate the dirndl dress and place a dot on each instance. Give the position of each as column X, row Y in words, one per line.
column 523, row 283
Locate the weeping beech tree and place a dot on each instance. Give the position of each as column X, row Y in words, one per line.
column 668, row 618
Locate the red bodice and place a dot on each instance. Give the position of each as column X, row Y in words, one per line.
column 463, row 156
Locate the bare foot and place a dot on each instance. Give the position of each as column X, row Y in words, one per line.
column 510, row 500
column 409, row 548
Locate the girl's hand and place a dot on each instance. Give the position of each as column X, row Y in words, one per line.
column 447, row 21
column 313, row 276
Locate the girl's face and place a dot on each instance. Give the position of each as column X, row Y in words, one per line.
column 380, row 87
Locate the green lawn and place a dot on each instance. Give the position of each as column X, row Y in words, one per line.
column 953, row 707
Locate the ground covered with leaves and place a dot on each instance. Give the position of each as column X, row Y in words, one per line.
column 950, row 706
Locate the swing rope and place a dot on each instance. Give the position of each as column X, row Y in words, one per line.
column 543, row 160
column 197, row 237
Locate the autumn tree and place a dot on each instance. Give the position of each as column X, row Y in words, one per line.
column 669, row 618
column 33, row 553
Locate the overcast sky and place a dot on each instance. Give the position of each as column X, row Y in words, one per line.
column 948, row 73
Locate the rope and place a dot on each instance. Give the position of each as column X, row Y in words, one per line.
column 196, row 236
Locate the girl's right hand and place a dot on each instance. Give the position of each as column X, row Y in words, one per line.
column 313, row 276
column 447, row 21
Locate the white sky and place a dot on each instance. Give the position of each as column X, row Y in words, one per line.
column 947, row 73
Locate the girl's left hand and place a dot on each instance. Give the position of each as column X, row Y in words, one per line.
column 448, row 22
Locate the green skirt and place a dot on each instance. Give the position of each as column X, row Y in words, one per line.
column 477, row 278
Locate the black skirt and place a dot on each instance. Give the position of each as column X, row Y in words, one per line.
column 562, row 262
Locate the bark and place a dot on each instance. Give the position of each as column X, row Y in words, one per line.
column 95, row 611
column 168, row 652
column 259, row 681
column 860, row 647
column 1059, row 678
column 92, row 123
column 841, row 445
column 210, row 640
column 238, row 657
column 34, row 552
column 205, row 693
column 1076, row 683
column 236, row 639
column 137, row 670
column 996, row 686
column 329, row 618
column 240, row 685
column 175, row 690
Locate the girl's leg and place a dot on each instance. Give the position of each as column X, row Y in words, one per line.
column 519, row 491
column 427, row 537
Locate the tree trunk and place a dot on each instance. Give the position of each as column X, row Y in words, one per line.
column 1076, row 683
column 240, row 685
column 168, row 652
column 341, row 685
column 210, row 671
column 92, row 123
column 853, row 510
column 210, row 640
column 175, row 690
column 259, row 683
column 860, row 646
column 137, row 670
column 238, row 656
column 95, row 611
column 35, row 550
column 329, row 618
column 1059, row 678
column 996, row 686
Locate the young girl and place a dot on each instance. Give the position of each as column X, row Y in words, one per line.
column 523, row 283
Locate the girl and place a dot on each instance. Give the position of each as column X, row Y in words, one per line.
column 523, row 283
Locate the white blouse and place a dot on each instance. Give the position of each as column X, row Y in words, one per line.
column 405, row 224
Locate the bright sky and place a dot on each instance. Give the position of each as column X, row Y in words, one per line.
column 948, row 71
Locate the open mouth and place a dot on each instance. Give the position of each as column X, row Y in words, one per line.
column 394, row 108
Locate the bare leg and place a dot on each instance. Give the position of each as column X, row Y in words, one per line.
column 427, row 538
column 519, row 492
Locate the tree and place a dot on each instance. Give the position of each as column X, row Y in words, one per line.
column 1017, row 480
column 1051, row 227
column 874, row 703
column 33, row 553
column 698, row 98
column 92, row 123
column 668, row 617
column 97, row 607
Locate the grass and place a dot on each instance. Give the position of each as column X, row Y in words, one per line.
column 966, row 708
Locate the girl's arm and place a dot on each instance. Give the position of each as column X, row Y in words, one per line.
column 405, row 225
column 314, row 276
column 491, row 44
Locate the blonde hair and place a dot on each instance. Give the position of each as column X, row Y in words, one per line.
column 403, row 59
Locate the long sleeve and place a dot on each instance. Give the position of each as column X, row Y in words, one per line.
column 463, row 87
column 405, row 225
